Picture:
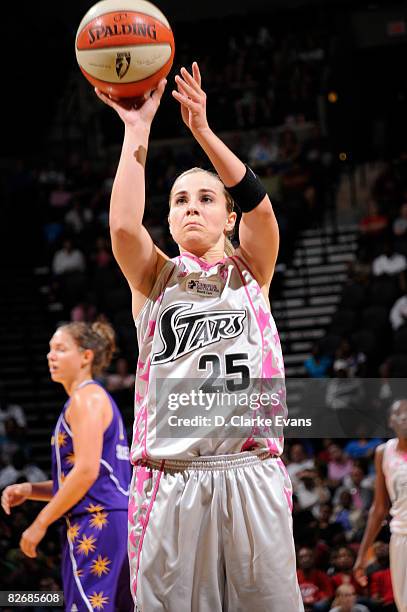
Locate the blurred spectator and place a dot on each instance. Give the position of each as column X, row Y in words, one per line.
column 389, row 262
column 68, row 260
column 310, row 490
column 12, row 440
column 78, row 217
column 355, row 361
column 20, row 469
column 381, row 557
column 380, row 586
column 398, row 314
column 9, row 410
column 317, row 366
column 347, row 515
column 315, row 586
column 339, row 465
column 362, row 496
column 84, row 311
column 323, row 455
column 343, row 392
column 289, row 148
column 263, row 152
column 60, row 197
column 273, row 184
column 374, row 224
column 102, row 255
column 122, row 379
column 329, row 531
column 246, row 102
column 362, row 448
column 343, row 560
column 298, row 462
column 400, row 224
column 345, row 600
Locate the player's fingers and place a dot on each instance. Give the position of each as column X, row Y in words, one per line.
column 190, row 80
column 185, row 101
column 157, row 93
column 186, row 90
column 5, row 502
column 104, row 97
column 196, row 73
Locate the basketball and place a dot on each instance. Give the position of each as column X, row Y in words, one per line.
column 124, row 47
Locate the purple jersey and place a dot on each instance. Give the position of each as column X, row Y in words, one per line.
column 111, row 489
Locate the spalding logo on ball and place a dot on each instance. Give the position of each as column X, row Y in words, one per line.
column 124, row 47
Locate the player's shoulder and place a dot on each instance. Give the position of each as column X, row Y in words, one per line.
column 380, row 450
column 92, row 391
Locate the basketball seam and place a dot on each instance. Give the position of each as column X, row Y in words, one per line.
column 124, row 46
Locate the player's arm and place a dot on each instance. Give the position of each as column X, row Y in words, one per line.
column 258, row 234
column 17, row 494
column 40, row 491
column 88, row 411
column 133, row 248
column 377, row 513
column 87, row 421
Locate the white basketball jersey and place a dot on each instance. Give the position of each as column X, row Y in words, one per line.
column 395, row 473
column 202, row 322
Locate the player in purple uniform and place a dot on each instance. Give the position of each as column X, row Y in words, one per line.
column 90, row 474
column 210, row 526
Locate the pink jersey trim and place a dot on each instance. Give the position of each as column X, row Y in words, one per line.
column 243, row 262
column 204, row 264
column 148, row 365
column 150, row 507
column 254, row 310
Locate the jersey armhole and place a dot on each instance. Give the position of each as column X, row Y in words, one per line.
column 153, row 290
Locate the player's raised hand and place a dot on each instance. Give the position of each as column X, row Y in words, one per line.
column 14, row 495
column 192, row 99
column 136, row 112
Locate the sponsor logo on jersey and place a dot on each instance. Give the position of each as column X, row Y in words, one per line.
column 183, row 331
column 204, row 287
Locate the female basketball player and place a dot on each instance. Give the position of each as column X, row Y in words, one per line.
column 390, row 493
column 90, row 473
column 209, row 517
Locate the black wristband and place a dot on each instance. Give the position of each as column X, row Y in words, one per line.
column 249, row 192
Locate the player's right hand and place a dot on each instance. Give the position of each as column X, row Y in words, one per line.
column 14, row 495
column 359, row 573
column 136, row 112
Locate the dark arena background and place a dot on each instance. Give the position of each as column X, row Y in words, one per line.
column 313, row 95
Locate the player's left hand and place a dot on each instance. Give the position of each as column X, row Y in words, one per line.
column 31, row 538
column 192, row 99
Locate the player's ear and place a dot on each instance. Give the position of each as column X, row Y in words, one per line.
column 87, row 357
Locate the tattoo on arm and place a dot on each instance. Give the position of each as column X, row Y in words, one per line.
column 141, row 155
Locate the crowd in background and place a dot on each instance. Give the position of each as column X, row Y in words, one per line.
column 276, row 79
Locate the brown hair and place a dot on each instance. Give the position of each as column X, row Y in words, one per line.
column 99, row 337
column 230, row 204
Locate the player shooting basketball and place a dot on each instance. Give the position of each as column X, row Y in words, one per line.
column 210, row 524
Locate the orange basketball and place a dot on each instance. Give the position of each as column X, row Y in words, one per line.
column 124, row 47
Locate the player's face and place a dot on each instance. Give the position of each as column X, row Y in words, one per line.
column 398, row 418
column 65, row 359
column 198, row 217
